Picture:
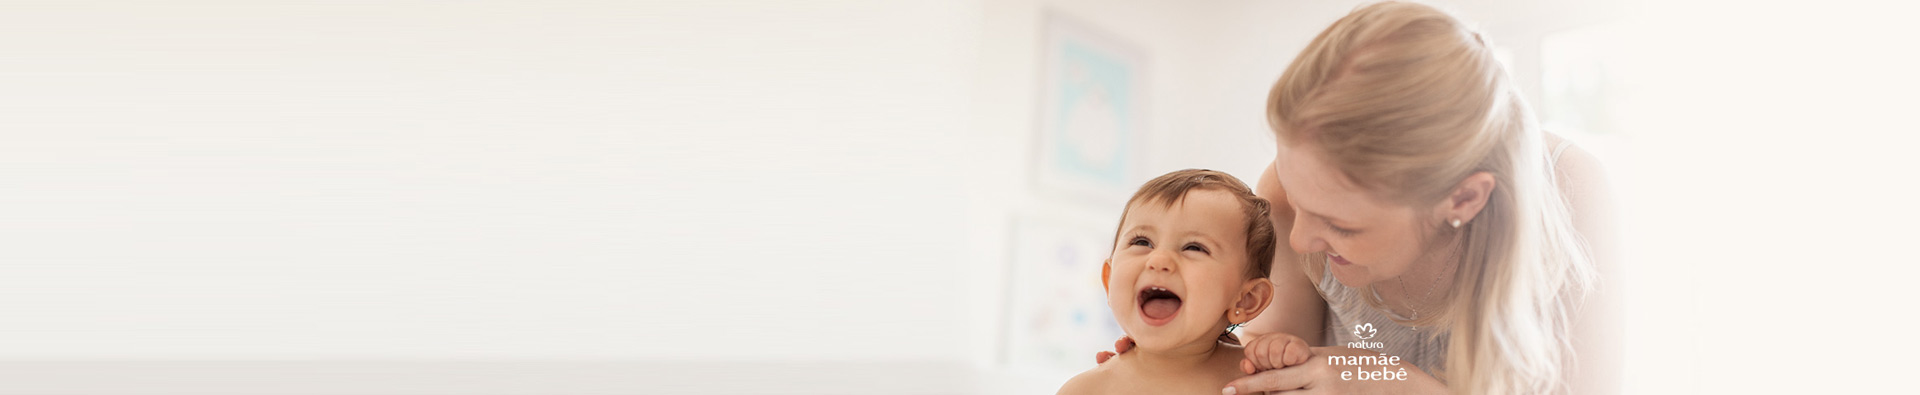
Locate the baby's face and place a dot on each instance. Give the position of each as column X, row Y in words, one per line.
column 1177, row 270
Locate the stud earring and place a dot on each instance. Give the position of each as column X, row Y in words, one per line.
column 1456, row 223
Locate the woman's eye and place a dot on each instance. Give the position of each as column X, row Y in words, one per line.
column 1342, row 231
column 1140, row 241
column 1196, row 247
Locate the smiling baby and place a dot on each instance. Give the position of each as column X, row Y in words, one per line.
column 1190, row 258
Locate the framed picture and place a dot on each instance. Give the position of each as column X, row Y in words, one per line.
column 1093, row 125
column 1057, row 313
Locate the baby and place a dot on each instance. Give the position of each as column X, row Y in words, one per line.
column 1191, row 257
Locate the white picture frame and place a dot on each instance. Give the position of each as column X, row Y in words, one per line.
column 1057, row 314
column 1093, row 124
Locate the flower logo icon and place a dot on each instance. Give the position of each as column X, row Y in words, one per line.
column 1363, row 331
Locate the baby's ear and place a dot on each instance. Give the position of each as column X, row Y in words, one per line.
column 1106, row 272
column 1255, row 294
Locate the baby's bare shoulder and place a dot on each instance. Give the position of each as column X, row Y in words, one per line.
column 1093, row 381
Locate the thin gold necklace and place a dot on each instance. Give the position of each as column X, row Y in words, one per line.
column 1415, row 304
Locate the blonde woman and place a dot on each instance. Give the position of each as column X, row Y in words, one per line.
column 1429, row 219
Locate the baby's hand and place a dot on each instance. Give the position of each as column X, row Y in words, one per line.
column 1273, row 351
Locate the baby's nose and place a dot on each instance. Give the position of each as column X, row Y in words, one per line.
column 1160, row 262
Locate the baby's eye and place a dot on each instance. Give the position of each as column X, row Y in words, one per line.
column 1196, row 247
column 1140, row 241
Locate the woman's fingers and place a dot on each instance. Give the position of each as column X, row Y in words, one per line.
column 1119, row 347
column 1272, row 380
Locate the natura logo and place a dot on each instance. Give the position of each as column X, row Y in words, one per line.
column 1363, row 331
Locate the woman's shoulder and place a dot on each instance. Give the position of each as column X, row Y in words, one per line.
column 1574, row 163
column 1584, row 180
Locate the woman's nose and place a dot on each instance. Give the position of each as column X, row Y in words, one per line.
column 1303, row 239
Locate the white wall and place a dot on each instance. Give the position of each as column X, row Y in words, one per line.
column 704, row 180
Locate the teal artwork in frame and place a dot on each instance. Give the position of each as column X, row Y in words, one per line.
column 1092, row 116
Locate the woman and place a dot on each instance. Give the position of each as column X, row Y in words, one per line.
column 1428, row 218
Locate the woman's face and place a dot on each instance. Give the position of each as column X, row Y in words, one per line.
column 1363, row 239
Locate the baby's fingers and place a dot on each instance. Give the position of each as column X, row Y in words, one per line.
column 1256, row 354
column 1297, row 353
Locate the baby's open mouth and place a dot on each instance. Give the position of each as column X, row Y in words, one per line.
column 1159, row 305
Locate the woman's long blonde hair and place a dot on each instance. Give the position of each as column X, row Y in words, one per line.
column 1407, row 101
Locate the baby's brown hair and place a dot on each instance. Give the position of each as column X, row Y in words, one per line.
column 1170, row 188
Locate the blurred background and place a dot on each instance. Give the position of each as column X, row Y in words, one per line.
column 847, row 196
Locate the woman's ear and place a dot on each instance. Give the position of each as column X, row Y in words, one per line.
column 1468, row 197
column 1255, row 294
column 1106, row 272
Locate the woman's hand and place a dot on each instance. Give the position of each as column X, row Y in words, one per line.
column 1119, row 347
column 1326, row 373
column 1273, row 351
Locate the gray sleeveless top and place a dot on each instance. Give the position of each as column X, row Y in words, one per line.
column 1351, row 322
